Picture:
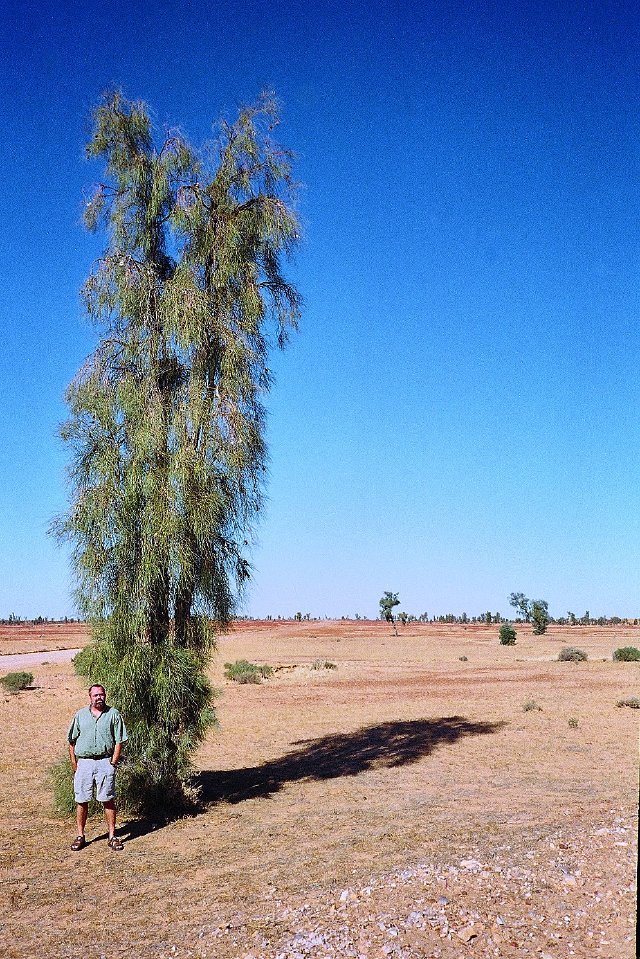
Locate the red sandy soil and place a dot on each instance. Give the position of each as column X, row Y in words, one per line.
column 404, row 804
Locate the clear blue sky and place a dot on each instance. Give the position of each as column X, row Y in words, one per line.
column 458, row 416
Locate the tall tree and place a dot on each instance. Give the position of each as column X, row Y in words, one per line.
column 388, row 602
column 539, row 613
column 521, row 604
column 167, row 416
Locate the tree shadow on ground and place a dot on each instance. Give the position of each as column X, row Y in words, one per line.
column 383, row 746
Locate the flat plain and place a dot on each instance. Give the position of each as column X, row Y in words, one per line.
column 410, row 802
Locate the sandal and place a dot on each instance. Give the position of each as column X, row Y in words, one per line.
column 78, row 843
column 115, row 844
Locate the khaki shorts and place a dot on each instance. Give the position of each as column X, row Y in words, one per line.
column 98, row 771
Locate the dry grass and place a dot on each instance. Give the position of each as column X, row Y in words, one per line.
column 319, row 780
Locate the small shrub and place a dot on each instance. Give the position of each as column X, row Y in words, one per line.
column 531, row 705
column 463, row 659
column 242, row 671
column 633, row 702
column 15, row 682
column 322, row 664
column 626, row 654
column 573, row 722
column 507, row 635
column 571, row 654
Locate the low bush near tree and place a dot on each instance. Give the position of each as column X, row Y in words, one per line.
column 508, row 636
column 571, row 654
column 323, row 664
column 626, row 654
column 15, row 682
column 242, row 671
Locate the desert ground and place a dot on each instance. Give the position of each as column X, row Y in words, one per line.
column 403, row 804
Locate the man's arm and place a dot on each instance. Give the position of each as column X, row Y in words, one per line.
column 116, row 754
column 72, row 756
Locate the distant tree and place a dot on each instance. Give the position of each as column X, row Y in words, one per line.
column 586, row 619
column 539, row 615
column 571, row 618
column 298, row 617
column 167, row 419
column 403, row 617
column 487, row 618
column 521, row 604
column 388, row 602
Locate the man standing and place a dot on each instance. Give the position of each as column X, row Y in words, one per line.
column 96, row 736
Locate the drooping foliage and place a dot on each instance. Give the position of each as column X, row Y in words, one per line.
column 167, row 416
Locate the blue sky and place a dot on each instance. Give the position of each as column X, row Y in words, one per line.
column 457, row 417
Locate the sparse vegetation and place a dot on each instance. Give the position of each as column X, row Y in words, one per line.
column 633, row 702
column 626, row 654
column 573, row 722
column 463, row 659
column 571, row 654
column 242, row 671
column 531, row 706
column 508, row 635
column 323, row 664
column 16, row 682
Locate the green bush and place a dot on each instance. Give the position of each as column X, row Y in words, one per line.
column 573, row 722
column 626, row 654
column 15, row 682
column 632, row 701
column 243, row 671
column 61, row 779
column 571, row 654
column 507, row 635
column 134, row 781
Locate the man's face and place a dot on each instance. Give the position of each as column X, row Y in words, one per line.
column 97, row 697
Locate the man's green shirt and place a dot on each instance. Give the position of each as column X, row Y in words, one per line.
column 94, row 738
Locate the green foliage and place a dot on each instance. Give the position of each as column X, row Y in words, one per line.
column 243, row 671
column 166, row 419
column 633, row 702
column 626, row 654
column 573, row 722
column 15, row 682
column 507, row 635
column 531, row 706
column 532, row 610
column 539, row 613
column 571, row 654
column 60, row 776
column 521, row 604
column 323, row 664
column 387, row 603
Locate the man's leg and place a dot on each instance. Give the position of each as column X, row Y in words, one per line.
column 110, row 817
column 82, row 809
